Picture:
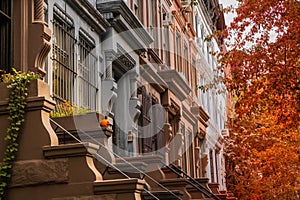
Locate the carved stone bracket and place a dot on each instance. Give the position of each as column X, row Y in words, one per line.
column 134, row 108
column 43, row 44
column 109, row 95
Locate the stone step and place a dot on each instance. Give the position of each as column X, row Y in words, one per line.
column 163, row 195
column 112, row 171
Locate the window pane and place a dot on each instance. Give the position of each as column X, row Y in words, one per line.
column 87, row 72
column 5, row 35
column 63, row 60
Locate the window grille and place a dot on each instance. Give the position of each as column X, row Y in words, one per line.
column 87, row 71
column 63, row 60
column 5, row 35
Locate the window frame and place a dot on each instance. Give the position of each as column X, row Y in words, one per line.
column 63, row 56
column 87, row 71
column 6, row 35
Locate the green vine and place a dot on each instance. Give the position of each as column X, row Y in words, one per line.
column 17, row 84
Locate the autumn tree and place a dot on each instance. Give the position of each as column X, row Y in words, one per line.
column 263, row 57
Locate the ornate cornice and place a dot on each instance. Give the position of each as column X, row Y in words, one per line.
column 188, row 115
column 124, row 21
column 89, row 14
column 154, row 56
column 202, row 116
column 177, row 83
column 151, row 76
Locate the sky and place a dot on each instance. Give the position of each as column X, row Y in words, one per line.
column 226, row 3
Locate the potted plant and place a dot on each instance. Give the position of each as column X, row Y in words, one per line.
column 80, row 122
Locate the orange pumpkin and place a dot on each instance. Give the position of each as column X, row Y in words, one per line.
column 105, row 123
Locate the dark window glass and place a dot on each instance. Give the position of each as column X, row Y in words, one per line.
column 5, row 35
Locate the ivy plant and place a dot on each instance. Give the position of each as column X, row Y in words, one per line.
column 17, row 84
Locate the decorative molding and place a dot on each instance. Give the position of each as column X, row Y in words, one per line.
column 124, row 58
column 124, row 20
column 177, row 83
column 152, row 54
column 188, row 115
column 151, row 76
column 132, row 186
column 44, row 50
column 202, row 116
column 38, row 10
column 60, row 13
column 89, row 13
column 67, row 150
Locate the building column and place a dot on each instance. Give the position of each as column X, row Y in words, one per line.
column 134, row 111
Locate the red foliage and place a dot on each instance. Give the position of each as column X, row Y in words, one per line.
column 263, row 151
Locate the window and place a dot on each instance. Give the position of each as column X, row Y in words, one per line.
column 217, row 166
column 145, row 120
column 5, row 35
column 208, row 52
column 166, row 46
column 178, row 53
column 138, row 9
column 63, row 56
column 191, row 154
column 196, row 25
column 46, row 14
column 194, row 78
column 212, row 171
column 87, row 71
column 184, row 159
column 186, row 63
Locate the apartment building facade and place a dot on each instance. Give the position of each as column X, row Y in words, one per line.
column 139, row 63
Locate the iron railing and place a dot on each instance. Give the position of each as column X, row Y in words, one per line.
column 109, row 164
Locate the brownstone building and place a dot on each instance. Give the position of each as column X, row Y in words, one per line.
column 137, row 62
